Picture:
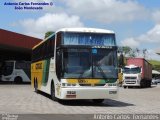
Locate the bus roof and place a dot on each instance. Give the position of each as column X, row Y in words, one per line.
column 83, row 30
column 87, row 30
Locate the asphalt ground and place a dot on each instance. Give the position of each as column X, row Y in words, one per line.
column 23, row 101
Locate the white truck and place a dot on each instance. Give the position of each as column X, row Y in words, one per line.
column 137, row 72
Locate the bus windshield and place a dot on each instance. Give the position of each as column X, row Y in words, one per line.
column 132, row 70
column 89, row 63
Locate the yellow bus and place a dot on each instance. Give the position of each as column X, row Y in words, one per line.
column 76, row 63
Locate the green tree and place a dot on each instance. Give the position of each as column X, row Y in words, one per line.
column 126, row 50
column 47, row 34
column 144, row 53
column 137, row 50
column 132, row 53
column 121, row 60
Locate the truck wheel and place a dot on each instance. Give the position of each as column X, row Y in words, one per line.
column 149, row 83
column 53, row 97
column 142, row 85
column 18, row 80
column 146, row 84
column 98, row 100
column 124, row 87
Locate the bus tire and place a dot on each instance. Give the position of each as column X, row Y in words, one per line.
column 18, row 80
column 98, row 100
column 53, row 97
column 36, row 86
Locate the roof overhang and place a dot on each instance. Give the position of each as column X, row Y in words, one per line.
column 155, row 72
column 17, row 40
column 158, row 51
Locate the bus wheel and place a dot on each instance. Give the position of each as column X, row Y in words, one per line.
column 36, row 86
column 98, row 100
column 53, row 92
column 18, row 80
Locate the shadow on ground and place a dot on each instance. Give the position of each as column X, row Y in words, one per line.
column 12, row 83
column 106, row 103
column 133, row 87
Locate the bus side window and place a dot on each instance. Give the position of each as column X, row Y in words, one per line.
column 47, row 52
column 52, row 46
column 33, row 55
column 49, row 47
column 36, row 54
column 45, row 49
column 42, row 53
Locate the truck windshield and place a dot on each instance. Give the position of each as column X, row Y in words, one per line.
column 132, row 70
column 89, row 63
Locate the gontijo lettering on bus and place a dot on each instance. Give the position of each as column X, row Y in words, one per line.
column 38, row 66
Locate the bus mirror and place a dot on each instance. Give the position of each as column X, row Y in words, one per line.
column 59, row 64
column 58, row 53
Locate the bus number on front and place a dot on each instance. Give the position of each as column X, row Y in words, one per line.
column 82, row 81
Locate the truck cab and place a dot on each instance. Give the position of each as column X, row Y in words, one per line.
column 131, row 75
column 137, row 72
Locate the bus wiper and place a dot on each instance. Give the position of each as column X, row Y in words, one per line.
column 81, row 75
column 86, row 72
column 101, row 70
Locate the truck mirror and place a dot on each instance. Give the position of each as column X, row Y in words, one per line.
column 121, row 70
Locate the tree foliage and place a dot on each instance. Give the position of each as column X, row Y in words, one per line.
column 155, row 64
column 132, row 52
column 126, row 51
column 47, row 34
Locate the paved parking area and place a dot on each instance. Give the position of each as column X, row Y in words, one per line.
column 20, row 99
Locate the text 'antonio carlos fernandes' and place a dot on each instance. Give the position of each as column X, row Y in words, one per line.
column 27, row 3
column 126, row 116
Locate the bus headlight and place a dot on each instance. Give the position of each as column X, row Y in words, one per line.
column 111, row 85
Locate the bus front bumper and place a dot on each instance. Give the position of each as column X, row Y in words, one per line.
column 89, row 93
